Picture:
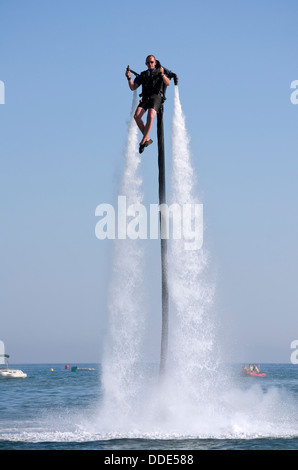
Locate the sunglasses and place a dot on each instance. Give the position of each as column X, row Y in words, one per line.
column 150, row 62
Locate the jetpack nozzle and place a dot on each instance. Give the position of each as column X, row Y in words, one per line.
column 171, row 75
column 132, row 71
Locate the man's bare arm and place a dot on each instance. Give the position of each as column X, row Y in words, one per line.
column 133, row 86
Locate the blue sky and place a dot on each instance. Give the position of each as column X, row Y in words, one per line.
column 63, row 131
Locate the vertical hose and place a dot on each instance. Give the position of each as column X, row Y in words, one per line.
column 163, row 242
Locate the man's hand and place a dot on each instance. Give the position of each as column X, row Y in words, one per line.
column 165, row 79
column 132, row 85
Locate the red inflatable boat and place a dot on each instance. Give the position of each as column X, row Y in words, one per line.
column 248, row 373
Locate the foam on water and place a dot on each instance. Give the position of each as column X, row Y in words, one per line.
column 240, row 411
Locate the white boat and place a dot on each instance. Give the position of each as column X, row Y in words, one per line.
column 7, row 373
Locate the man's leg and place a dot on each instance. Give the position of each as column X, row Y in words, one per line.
column 150, row 117
column 138, row 118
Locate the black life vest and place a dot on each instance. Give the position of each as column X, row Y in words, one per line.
column 152, row 83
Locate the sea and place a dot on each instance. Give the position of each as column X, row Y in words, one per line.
column 55, row 408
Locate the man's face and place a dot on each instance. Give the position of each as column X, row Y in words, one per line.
column 150, row 62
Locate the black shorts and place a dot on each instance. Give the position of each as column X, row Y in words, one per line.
column 154, row 102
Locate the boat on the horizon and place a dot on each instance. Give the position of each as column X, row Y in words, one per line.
column 5, row 372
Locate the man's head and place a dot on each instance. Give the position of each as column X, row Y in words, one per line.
column 151, row 62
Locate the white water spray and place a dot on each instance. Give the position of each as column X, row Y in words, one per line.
column 192, row 295
column 126, row 304
column 191, row 332
column 185, row 396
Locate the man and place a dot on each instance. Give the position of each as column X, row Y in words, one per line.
column 153, row 82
